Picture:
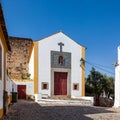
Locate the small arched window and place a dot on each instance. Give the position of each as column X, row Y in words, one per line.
column 60, row 60
column 0, row 62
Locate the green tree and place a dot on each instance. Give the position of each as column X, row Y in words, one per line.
column 88, row 88
column 108, row 86
column 95, row 82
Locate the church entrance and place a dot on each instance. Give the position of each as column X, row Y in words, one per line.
column 60, row 83
column 21, row 91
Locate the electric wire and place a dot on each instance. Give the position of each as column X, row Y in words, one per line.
column 107, row 67
column 100, row 67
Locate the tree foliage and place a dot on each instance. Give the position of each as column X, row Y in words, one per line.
column 108, row 86
column 97, row 83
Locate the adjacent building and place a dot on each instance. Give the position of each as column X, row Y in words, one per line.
column 117, row 81
column 5, row 93
column 18, row 66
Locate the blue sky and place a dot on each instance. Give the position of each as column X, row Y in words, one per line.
column 92, row 23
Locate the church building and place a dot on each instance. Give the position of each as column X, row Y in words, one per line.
column 59, row 68
column 51, row 67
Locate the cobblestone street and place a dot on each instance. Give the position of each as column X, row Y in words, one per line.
column 28, row 110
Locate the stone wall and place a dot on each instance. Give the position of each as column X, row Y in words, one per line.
column 18, row 58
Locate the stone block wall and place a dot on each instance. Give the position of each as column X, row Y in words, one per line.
column 18, row 57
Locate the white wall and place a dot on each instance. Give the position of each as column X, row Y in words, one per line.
column 2, row 80
column 29, row 87
column 1, row 94
column 76, row 72
column 51, row 43
column 117, row 81
column 117, row 87
column 31, row 65
column 8, row 85
column 118, row 50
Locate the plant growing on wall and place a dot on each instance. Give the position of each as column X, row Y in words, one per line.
column 26, row 76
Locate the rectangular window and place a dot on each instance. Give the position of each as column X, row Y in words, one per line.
column 44, row 85
column 75, row 86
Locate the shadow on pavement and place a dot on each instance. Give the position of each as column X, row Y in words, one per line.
column 29, row 110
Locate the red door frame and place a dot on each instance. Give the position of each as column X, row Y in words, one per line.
column 21, row 91
column 60, row 83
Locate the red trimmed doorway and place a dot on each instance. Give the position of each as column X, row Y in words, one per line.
column 21, row 91
column 60, row 83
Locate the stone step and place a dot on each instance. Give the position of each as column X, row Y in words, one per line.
column 79, row 102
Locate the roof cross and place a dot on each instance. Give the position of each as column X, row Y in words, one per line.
column 61, row 45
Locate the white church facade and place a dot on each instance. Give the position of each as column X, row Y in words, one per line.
column 57, row 67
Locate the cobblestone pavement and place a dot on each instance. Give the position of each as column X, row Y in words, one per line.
column 28, row 110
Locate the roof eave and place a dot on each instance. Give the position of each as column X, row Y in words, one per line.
column 4, row 29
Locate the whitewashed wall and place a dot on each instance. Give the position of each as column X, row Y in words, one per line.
column 2, row 80
column 29, row 87
column 51, row 43
column 31, row 65
column 8, row 85
column 117, row 81
column 1, row 94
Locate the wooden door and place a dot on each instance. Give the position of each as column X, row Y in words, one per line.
column 60, row 83
column 21, row 91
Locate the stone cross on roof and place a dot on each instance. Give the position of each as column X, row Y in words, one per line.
column 61, row 45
